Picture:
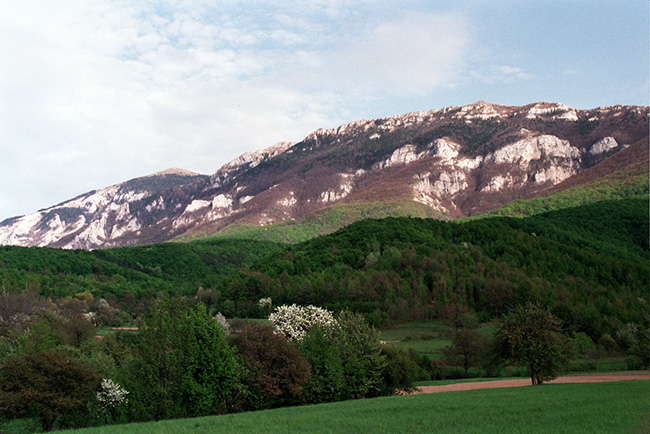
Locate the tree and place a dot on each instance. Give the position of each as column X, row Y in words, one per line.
column 275, row 370
column 400, row 371
column 325, row 382
column 360, row 350
column 183, row 364
column 110, row 397
column 46, row 385
column 467, row 348
column 293, row 322
column 531, row 335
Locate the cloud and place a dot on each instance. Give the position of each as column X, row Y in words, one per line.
column 414, row 53
column 95, row 93
column 503, row 74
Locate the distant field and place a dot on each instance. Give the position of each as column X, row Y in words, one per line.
column 567, row 408
column 428, row 338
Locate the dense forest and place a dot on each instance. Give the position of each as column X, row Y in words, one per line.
column 588, row 264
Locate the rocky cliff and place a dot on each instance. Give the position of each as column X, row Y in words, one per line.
column 456, row 161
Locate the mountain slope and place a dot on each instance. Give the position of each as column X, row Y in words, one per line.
column 450, row 163
column 589, row 263
column 93, row 218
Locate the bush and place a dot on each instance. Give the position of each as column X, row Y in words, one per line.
column 582, row 344
column 293, row 322
column 360, row 350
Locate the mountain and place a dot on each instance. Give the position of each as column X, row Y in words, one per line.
column 448, row 163
column 91, row 219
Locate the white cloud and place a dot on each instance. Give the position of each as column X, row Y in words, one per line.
column 414, row 53
column 97, row 92
column 500, row 74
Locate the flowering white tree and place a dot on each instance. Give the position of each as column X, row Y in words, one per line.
column 110, row 397
column 265, row 302
column 295, row 321
column 223, row 322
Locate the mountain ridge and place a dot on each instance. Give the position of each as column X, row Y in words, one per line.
column 457, row 161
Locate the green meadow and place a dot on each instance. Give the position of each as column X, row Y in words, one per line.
column 620, row 407
column 425, row 337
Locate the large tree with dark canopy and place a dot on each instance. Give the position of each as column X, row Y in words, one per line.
column 46, row 385
column 532, row 336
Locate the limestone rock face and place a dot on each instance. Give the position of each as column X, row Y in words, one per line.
column 602, row 146
column 453, row 162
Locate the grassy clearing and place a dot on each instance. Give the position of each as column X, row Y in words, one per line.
column 568, row 408
column 424, row 337
column 107, row 330
column 428, row 338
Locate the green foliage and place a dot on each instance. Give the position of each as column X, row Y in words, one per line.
column 582, row 344
column 588, row 263
column 362, row 359
column 468, row 348
column 276, row 372
column 326, row 380
column 400, row 371
column 46, row 385
column 136, row 272
column 640, row 349
column 183, row 365
column 532, row 336
column 633, row 186
column 325, row 221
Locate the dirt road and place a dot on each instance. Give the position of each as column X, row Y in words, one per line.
column 597, row 378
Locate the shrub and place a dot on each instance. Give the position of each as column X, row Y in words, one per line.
column 183, row 366
column 400, row 371
column 110, row 398
column 582, row 344
column 360, row 350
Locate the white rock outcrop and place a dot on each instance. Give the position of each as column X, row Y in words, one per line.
column 526, row 150
column 602, row 146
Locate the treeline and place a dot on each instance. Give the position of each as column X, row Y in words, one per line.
column 184, row 362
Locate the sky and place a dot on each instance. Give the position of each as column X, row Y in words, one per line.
column 96, row 92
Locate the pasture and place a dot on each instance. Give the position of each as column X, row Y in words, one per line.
column 620, row 407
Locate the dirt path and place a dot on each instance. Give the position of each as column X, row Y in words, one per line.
column 596, row 378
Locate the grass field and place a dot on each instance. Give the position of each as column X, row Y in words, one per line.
column 567, row 408
column 428, row 338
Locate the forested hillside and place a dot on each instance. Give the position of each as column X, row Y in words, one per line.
column 178, row 268
column 589, row 264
